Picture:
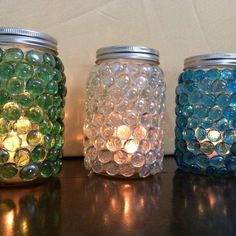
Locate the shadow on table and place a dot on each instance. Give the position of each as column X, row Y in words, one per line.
column 33, row 210
column 203, row 206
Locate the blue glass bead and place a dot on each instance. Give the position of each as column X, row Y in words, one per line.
column 231, row 86
column 230, row 136
column 232, row 100
column 233, row 148
column 200, row 133
column 207, row 100
column 222, row 148
column 198, row 74
column 206, row 122
column 180, row 79
column 193, row 146
column 223, row 100
column 230, row 162
column 234, row 74
column 183, row 99
column 234, row 124
column 205, row 85
column 187, row 75
column 188, row 158
column 210, row 170
column 188, row 134
column 202, row 160
column 200, row 111
column 221, row 172
column 179, row 89
column 192, row 123
column 230, row 113
column 189, row 86
column 222, row 124
column 217, row 162
column 181, row 121
column 178, row 110
column 178, row 133
column 215, row 113
column 181, row 145
column 187, row 110
column 212, row 74
column 178, row 157
column 194, row 97
column 218, row 86
column 194, row 168
column 226, row 74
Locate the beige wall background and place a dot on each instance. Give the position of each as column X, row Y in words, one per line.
column 177, row 28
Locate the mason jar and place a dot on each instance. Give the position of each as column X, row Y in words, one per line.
column 32, row 91
column 124, row 111
column 206, row 115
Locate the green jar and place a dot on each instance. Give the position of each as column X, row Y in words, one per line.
column 32, row 98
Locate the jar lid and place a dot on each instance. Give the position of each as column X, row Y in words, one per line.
column 127, row 52
column 213, row 59
column 9, row 35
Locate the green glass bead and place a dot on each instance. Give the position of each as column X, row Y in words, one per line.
column 35, row 114
column 35, row 86
column 24, row 100
column 53, row 154
column 45, row 126
column 6, row 71
column 8, row 170
column 52, row 87
column 60, row 113
column 59, row 141
column 59, row 64
column 24, row 71
column 56, row 165
column 52, row 113
column 46, row 169
column 4, row 97
column 56, row 128
column 49, row 60
column 4, row 156
column 38, row 154
column 45, row 101
column 15, row 86
column 62, row 90
column 34, row 57
column 57, row 75
column 1, row 54
column 29, row 172
column 13, row 55
column 57, row 101
column 11, row 111
column 49, row 141
column 44, row 73
column 4, row 127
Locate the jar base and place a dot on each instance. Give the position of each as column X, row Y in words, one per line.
column 133, row 177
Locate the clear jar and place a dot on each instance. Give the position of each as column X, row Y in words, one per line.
column 206, row 115
column 32, row 91
column 124, row 107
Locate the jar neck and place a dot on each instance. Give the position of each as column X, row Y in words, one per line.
column 126, row 60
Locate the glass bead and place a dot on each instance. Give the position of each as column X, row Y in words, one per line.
column 145, row 172
column 45, row 126
column 91, row 153
column 198, row 74
column 222, row 148
column 107, row 130
column 115, row 119
column 193, row 146
column 194, row 97
column 188, row 158
column 121, row 157
column 231, row 86
column 226, row 74
column 223, row 100
column 46, row 169
column 178, row 133
column 52, row 87
column 187, row 75
column 230, row 136
column 25, row 100
column 59, row 141
column 97, row 166
column 53, row 113
column 35, row 86
column 141, row 106
column 222, row 124
column 146, row 120
column 61, row 88
column 130, row 118
column 15, row 86
column 215, row 113
column 54, row 154
column 200, row 111
column 56, row 166
column 230, row 162
column 49, row 141
column 12, row 142
column 230, row 113
column 138, row 159
column 200, row 133
column 4, row 156
column 212, row 74
column 218, row 86
column 8, row 171
column 49, row 60
column 44, row 73
column 38, row 154
column 22, row 125
column 34, row 138
column 122, row 106
column 131, row 146
column 4, row 127
column 112, row 168
column 181, row 145
column 122, row 81
column 132, row 94
column 139, row 132
column 205, row 85
column 181, row 121
column 213, row 135
column 24, row 71
column 57, row 75
column 188, row 86
column 34, row 57
column 123, row 132
column 187, row 110
column 22, row 157
column 140, row 82
column 232, row 100
column 217, row 161
column 98, row 119
column 183, row 99
column 4, row 97
column 59, row 64
column 99, row 143
column 188, row 134
column 56, row 128
column 13, row 55
column 207, row 100
column 207, row 147
column 104, row 156
column 29, row 172
column 151, row 157
column 11, row 111
column 192, row 123
column 114, row 144
column 45, row 101
column 35, row 114
column 1, row 54
column 126, row 170
column 202, row 161
column 6, row 71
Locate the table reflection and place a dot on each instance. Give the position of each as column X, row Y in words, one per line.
column 122, row 204
column 28, row 211
column 203, row 205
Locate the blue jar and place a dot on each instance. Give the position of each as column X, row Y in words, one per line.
column 206, row 115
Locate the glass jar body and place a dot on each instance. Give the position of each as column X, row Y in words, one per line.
column 124, row 112
column 206, row 121
column 32, row 91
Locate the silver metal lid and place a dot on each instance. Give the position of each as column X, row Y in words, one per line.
column 214, row 59
column 9, row 35
column 127, row 52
